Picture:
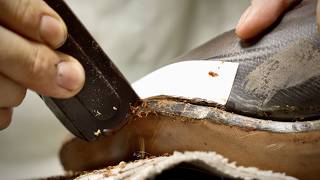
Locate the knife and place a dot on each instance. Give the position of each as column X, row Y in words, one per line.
column 102, row 106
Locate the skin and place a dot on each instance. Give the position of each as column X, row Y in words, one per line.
column 261, row 14
column 30, row 31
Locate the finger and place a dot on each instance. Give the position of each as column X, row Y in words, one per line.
column 11, row 94
column 37, row 67
column 5, row 117
column 260, row 15
column 33, row 19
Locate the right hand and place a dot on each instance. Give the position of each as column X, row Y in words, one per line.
column 29, row 32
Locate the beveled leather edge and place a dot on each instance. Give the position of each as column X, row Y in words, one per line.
column 185, row 108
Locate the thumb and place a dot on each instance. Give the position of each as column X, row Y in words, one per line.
column 260, row 15
column 37, row 67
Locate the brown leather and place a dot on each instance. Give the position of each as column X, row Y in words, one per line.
column 166, row 125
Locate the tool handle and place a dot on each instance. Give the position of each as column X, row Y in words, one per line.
column 105, row 99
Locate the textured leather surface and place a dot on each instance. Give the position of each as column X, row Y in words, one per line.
column 279, row 72
column 164, row 125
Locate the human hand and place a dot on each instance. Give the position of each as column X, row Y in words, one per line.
column 29, row 32
column 263, row 13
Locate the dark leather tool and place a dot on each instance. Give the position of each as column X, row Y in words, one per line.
column 104, row 102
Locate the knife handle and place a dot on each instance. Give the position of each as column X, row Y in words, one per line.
column 105, row 99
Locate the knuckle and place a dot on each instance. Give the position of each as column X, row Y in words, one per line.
column 39, row 63
column 23, row 11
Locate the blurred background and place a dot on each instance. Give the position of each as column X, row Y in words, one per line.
column 139, row 36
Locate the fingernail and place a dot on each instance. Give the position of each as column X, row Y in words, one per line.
column 70, row 75
column 244, row 17
column 52, row 31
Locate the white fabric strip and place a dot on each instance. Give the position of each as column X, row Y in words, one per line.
column 204, row 79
